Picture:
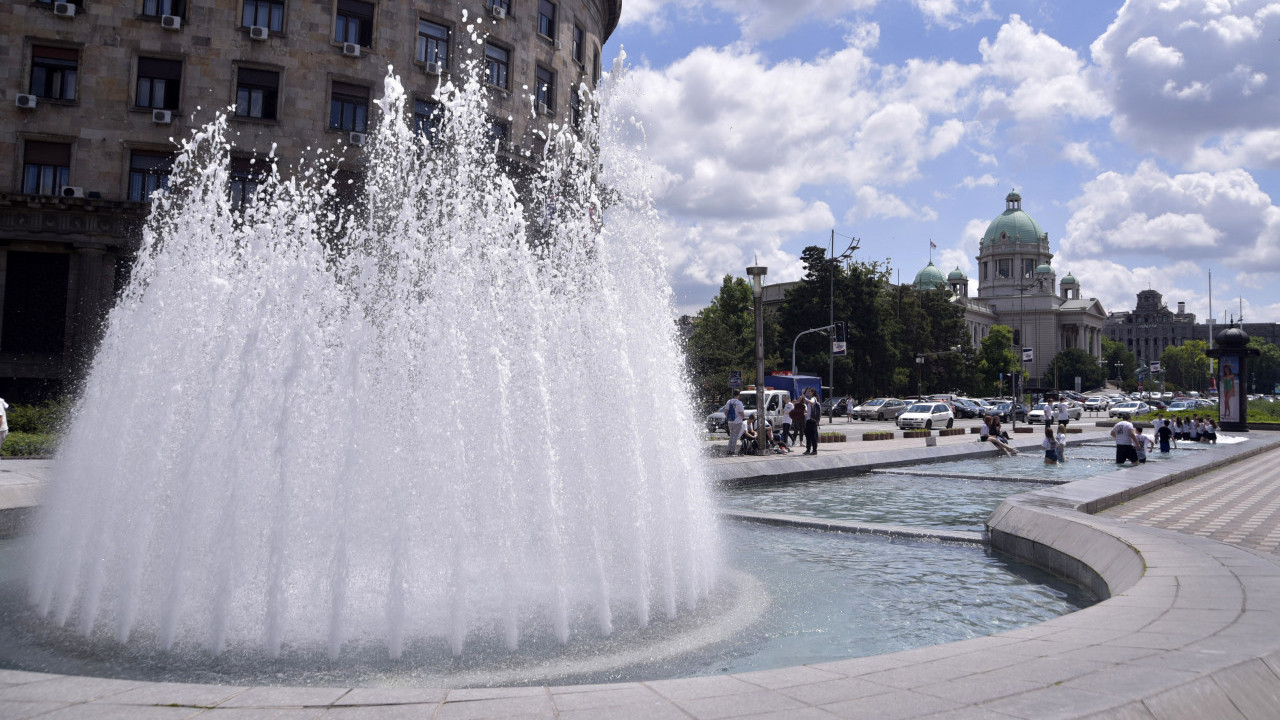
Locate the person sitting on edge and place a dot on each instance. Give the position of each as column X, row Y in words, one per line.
column 750, row 438
column 993, row 436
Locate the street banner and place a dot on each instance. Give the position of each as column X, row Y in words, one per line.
column 1027, row 354
column 735, row 379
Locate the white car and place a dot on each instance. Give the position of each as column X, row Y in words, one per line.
column 1129, row 410
column 926, row 415
column 1097, row 403
column 1037, row 413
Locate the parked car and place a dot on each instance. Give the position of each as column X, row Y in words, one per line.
column 880, row 409
column 967, row 408
column 1097, row 403
column 926, row 415
column 1130, row 410
column 834, row 407
column 1007, row 411
column 1037, row 412
column 1177, row 405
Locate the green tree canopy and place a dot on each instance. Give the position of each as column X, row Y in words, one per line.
column 996, row 356
column 1115, row 353
column 1264, row 370
column 1186, row 366
column 1070, row 364
column 723, row 340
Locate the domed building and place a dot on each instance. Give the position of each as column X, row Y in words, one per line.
column 1018, row 288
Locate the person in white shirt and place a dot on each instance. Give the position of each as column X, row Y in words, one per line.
column 1062, row 446
column 4, row 420
column 734, row 415
column 1050, row 445
column 1126, row 442
column 1143, row 444
column 785, row 417
column 1064, row 414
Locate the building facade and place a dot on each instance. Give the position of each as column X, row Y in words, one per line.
column 1018, row 288
column 91, row 94
column 1151, row 327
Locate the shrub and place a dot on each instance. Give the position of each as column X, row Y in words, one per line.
column 917, row 433
column 24, row 444
column 878, row 435
column 48, row 418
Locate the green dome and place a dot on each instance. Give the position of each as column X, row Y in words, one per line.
column 929, row 278
column 1043, row 268
column 956, row 275
column 1013, row 225
column 1070, row 280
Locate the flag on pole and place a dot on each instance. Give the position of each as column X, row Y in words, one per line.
column 933, row 245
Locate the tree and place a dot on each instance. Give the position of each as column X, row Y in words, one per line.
column 724, row 339
column 1186, row 365
column 996, row 357
column 1264, row 370
column 1114, row 353
column 1070, row 364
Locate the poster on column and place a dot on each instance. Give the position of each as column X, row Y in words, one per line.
column 1228, row 389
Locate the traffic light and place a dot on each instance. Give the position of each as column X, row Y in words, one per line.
column 841, row 330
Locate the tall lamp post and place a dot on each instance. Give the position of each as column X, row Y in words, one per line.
column 757, row 273
column 831, row 354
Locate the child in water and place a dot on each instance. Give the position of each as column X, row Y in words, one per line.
column 1050, row 446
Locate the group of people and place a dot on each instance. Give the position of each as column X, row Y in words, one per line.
column 799, row 415
column 1133, row 445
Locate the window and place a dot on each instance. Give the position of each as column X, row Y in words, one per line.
column 497, row 66
column 547, row 18
column 256, row 93
column 595, row 75
column 433, row 43
column 546, row 87
column 349, row 107
column 579, row 45
column 985, row 263
column 354, row 23
column 498, row 130
column 426, row 119
column 46, row 167
column 156, row 8
column 246, row 176
column 1004, row 269
column 158, row 83
column 53, row 72
column 148, row 172
column 263, row 13
column 1028, row 267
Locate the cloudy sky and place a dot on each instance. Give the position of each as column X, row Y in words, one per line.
column 1143, row 136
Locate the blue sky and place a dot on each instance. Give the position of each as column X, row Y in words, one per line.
column 1143, row 136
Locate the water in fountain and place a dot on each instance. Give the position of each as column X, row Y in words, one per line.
column 449, row 410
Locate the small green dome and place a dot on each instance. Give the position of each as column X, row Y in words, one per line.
column 1043, row 268
column 956, row 275
column 1013, row 225
column 929, row 278
column 1070, row 280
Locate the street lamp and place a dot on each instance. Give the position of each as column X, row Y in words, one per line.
column 757, row 274
column 831, row 354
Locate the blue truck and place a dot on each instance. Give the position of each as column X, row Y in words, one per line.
column 795, row 385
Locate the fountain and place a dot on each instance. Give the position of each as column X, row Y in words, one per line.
column 411, row 418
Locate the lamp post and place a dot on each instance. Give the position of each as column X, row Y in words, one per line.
column 1118, row 366
column 757, row 274
column 831, row 354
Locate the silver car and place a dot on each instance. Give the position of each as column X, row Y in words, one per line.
column 1129, row 410
column 880, row 409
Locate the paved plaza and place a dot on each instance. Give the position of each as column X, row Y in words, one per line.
column 1184, row 549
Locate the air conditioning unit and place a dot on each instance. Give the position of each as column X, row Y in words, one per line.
column 497, row 11
column 170, row 22
column 72, row 192
column 433, row 68
column 161, row 117
column 64, row 9
column 543, row 109
column 257, row 32
column 351, row 49
column 356, row 138
column 25, row 101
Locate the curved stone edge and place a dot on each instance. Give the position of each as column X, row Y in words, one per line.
column 1191, row 628
column 856, row 528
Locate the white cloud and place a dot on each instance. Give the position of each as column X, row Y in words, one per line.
column 1149, row 50
column 954, row 13
column 970, row 182
column 1038, row 78
column 1078, row 153
column 1223, row 217
column 1183, row 76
